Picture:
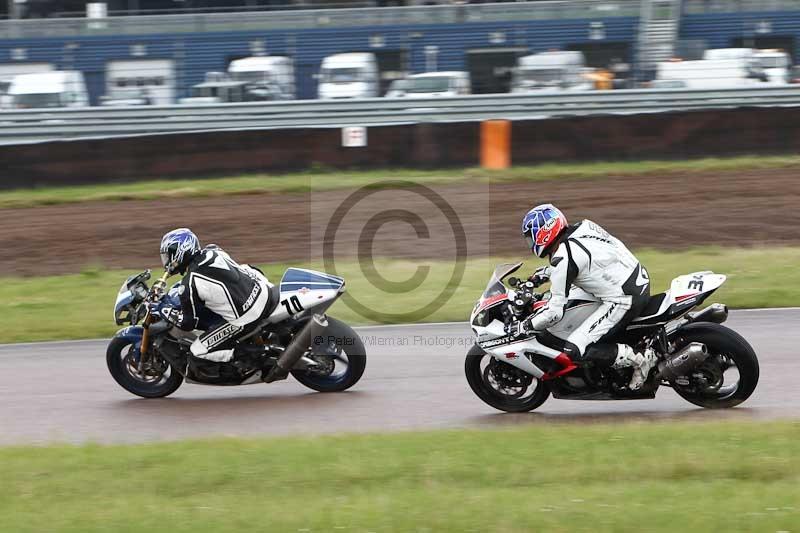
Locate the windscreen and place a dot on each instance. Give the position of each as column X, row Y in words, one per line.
column 341, row 75
column 252, row 77
column 495, row 285
column 38, row 100
column 540, row 76
column 427, row 85
column 774, row 62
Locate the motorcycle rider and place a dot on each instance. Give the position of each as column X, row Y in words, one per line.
column 585, row 255
column 239, row 295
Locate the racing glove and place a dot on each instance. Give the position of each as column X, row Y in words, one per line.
column 541, row 276
column 520, row 328
column 168, row 313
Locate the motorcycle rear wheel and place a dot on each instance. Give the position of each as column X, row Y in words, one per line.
column 348, row 352
column 121, row 358
column 728, row 350
column 516, row 384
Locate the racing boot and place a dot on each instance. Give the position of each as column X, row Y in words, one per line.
column 642, row 364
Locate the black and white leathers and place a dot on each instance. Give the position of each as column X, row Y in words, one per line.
column 592, row 259
column 238, row 294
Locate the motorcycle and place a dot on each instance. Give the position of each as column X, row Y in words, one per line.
column 706, row 363
column 151, row 358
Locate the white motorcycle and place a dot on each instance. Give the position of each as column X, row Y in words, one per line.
column 706, row 363
column 153, row 359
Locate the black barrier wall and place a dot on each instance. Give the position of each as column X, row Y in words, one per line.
column 662, row 135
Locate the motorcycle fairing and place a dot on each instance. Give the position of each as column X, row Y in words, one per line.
column 685, row 292
column 131, row 333
column 296, row 278
column 303, row 289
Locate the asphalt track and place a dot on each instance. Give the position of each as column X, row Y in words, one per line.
column 414, row 380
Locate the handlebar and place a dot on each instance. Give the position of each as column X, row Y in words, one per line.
column 158, row 289
column 525, row 294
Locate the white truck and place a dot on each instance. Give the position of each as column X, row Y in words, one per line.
column 219, row 88
column 553, row 71
column 139, row 82
column 8, row 71
column 729, row 53
column 59, row 88
column 710, row 73
column 777, row 65
column 431, row 84
column 263, row 74
column 351, row 75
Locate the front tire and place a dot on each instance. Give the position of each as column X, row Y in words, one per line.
column 729, row 352
column 342, row 362
column 159, row 381
column 503, row 386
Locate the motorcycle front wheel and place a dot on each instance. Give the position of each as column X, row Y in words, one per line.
column 157, row 380
column 503, row 386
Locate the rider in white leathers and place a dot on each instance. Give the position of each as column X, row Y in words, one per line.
column 587, row 256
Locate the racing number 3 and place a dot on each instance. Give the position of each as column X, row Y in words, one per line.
column 292, row 305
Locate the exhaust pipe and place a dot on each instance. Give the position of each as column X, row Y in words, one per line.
column 297, row 348
column 682, row 361
column 717, row 313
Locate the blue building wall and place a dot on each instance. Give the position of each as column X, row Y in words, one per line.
column 720, row 29
column 198, row 53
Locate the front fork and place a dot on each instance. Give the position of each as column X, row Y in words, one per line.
column 157, row 291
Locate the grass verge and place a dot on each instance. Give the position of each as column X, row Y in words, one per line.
column 299, row 182
column 80, row 306
column 624, row 478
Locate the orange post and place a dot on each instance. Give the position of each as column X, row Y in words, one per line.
column 496, row 144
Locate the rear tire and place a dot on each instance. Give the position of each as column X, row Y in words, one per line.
column 120, row 357
column 491, row 395
column 721, row 341
column 353, row 350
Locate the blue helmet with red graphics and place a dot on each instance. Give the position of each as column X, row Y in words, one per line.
column 178, row 247
column 542, row 226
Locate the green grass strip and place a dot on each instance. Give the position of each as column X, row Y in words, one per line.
column 322, row 179
column 80, row 306
column 634, row 477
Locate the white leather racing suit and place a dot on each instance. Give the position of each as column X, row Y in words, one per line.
column 238, row 294
column 590, row 258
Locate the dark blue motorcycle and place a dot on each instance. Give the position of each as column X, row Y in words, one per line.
column 151, row 357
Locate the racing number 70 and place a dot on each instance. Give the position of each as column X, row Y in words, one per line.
column 292, row 305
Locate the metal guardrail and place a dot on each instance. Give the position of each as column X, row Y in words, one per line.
column 20, row 126
column 317, row 18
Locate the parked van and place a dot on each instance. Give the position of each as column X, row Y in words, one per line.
column 729, row 53
column 776, row 65
column 219, row 88
column 712, row 73
column 550, row 71
column 65, row 88
column 430, row 84
column 353, row 75
column 263, row 74
column 8, row 71
column 139, row 82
